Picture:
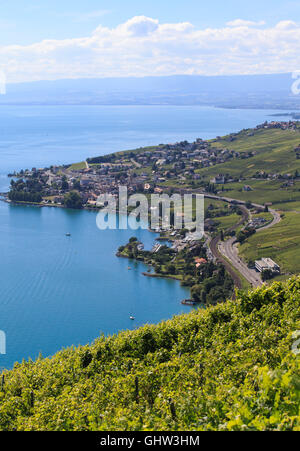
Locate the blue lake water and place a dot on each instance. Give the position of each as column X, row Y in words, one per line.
column 37, row 136
column 57, row 291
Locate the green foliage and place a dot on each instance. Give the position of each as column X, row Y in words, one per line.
column 73, row 200
column 267, row 274
column 228, row 367
column 22, row 196
column 244, row 234
column 65, row 184
column 280, row 242
column 78, row 166
column 209, row 282
column 25, row 191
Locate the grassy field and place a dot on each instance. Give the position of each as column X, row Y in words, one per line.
column 78, row 166
column 273, row 149
column 274, row 153
column 264, row 191
column 281, row 243
column 225, row 222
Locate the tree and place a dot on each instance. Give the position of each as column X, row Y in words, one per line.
column 196, row 291
column 267, row 274
column 157, row 269
column 244, row 234
column 73, row 200
column 171, row 269
column 64, row 184
column 23, row 196
column 76, row 185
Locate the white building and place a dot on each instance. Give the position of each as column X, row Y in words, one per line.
column 267, row 263
column 218, row 180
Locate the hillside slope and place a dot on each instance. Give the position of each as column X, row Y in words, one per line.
column 229, row 367
column 274, row 150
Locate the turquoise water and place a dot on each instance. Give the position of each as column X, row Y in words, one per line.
column 57, row 291
column 36, row 136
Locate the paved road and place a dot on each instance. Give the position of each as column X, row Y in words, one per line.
column 216, row 252
column 219, row 254
column 276, row 220
column 229, row 248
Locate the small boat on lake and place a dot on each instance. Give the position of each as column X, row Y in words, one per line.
column 68, row 234
column 189, row 302
column 132, row 318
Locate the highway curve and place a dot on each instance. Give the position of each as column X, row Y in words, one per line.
column 228, row 249
column 220, row 258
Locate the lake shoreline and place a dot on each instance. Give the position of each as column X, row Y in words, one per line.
column 72, row 290
column 96, row 210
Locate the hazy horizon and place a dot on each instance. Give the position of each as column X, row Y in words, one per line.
column 266, row 91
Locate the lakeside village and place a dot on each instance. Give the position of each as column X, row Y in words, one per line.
column 147, row 171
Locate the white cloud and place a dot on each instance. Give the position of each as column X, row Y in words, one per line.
column 142, row 46
column 139, row 26
column 245, row 23
column 286, row 25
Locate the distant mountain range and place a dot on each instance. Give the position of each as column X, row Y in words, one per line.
column 242, row 91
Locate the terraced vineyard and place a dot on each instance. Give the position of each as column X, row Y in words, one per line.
column 274, row 152
column 281, row 242
column 230, row 367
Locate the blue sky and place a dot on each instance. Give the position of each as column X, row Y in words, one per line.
column 28, row 21
column 43, row 39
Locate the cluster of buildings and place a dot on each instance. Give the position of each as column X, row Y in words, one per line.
column 131, row 169
column 287, row 178
column 182, row 157
column 282, row 125
column 90, row 182
column 256, row 223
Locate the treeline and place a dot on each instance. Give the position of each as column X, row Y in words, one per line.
column 244, row 234
column 213, row 285
column 30, row 190
column 103, row 159
column 23, row 196
column 209, row 282
column 73, row 200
